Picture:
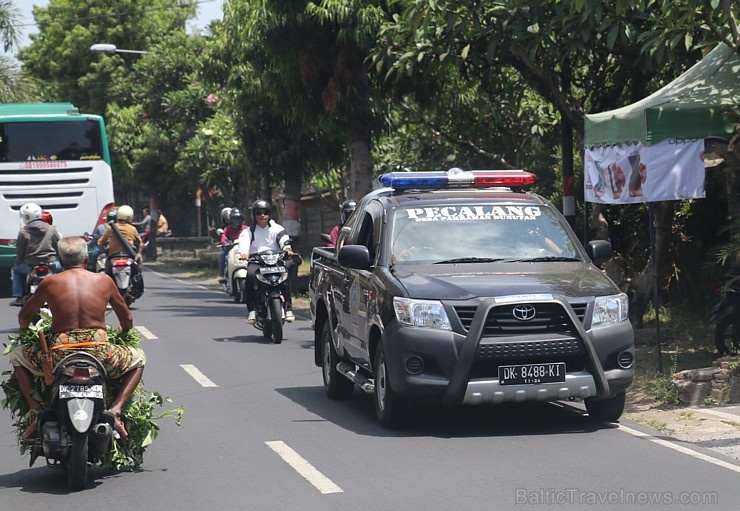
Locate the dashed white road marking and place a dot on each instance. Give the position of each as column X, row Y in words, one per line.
column 680, row 448
column 145, row 332
column 201, row 378
column 304, row 468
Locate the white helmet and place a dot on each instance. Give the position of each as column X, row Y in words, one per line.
column 226, row 216
column 125, row 213
column 30, row 212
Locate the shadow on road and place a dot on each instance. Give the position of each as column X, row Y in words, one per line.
column 509, row 419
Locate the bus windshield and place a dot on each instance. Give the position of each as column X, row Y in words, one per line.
column 51, row 140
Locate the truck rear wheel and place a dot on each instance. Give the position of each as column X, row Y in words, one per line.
column 606, row 410
column 335, row 384
column 390, row 408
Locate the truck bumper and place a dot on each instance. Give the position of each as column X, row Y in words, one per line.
column 437, row 365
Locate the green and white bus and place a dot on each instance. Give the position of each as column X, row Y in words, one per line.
column 52, row 155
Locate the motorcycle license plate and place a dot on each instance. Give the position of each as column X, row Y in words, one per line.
column 531, row 374
column 71, row 391
column 274, row 269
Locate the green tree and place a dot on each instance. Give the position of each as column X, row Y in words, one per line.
column 161, row 108
column 580, row 56
column 59, row 57
column 13, row 86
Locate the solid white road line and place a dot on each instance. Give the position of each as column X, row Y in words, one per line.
column 304, row 468
column 145, row 332
column 198, row 376
column 680, row 448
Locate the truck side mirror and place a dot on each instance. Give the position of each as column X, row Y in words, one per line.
column 356, row 257
column 600, row 251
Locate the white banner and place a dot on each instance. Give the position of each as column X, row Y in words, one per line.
column 672, row 169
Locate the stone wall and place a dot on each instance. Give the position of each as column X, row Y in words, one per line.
column 719, row 383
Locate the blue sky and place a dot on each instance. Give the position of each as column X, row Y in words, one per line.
column 207, row 10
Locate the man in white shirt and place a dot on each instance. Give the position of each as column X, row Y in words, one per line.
column 264, row 234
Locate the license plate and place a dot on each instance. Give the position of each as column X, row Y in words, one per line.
column 274, row 269
column 531, row 374
column 71, row 391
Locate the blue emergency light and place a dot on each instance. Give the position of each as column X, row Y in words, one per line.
column 457, row 178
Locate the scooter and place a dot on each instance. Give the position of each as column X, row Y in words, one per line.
column 127, row 276
column 726, row 313
column 270, row 279
column 75, row 429
column 36, row 274
column 236, row 271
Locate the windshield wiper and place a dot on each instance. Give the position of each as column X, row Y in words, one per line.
column 470, row 260
column 548, row 259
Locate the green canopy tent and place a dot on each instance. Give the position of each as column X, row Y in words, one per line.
column 692, row 106
column 695, row 106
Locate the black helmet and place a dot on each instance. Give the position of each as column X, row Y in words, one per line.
column 236, row 217
column 346, row 210
column 111, row 216
column 260, row 205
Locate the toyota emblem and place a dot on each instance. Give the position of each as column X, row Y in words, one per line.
column 523, row 312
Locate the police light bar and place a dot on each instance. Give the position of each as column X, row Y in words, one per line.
column 457, row 178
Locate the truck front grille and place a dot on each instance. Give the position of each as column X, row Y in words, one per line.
column 549, row 318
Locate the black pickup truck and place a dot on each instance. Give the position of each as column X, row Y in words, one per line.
column 461, row 288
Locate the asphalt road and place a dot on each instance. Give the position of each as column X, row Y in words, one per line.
column 258, row 433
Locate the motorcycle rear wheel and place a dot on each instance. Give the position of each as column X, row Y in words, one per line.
column 276, row 317
column 727, row 335
column 77, row 464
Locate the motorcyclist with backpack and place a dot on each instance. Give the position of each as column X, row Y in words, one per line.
column 264, row 234
column 124, row 218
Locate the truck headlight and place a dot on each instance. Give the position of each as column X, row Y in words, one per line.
column 423, row 313
column 610, row 309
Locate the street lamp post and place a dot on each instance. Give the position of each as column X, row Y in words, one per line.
column 111, row 49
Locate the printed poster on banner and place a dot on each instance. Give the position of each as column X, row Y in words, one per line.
column 633, row 173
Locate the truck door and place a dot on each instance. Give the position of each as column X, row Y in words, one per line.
column 358, row 285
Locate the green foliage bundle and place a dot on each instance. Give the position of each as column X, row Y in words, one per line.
column 140, row 413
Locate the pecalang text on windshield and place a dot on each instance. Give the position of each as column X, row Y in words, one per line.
column 451, row 213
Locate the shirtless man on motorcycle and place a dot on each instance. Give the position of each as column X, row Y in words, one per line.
column 77, row 299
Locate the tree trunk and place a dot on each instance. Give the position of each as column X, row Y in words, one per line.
column 642, row 285
column 292, row 202
column 360, row 161
column 599, row 224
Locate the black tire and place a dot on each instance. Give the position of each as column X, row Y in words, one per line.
column 390, row 408
column 276, row 319
column 238, row 286
column 336, row 385
column 727, row 335
column 606, row 410
column 77, row 464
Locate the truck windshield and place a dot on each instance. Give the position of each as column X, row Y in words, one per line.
column 481, row 232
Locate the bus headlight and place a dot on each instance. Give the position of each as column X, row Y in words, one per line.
column 421, row 313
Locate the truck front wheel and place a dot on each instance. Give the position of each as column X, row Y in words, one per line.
column 390, row 408
column 606, row 410
column 335, row 384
